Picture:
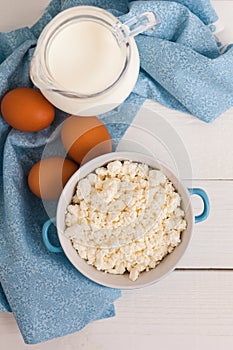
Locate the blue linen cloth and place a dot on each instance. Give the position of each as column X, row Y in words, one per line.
column 181, row 67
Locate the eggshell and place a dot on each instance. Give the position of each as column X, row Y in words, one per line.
column 48, row 177
column 26, row 109
column 85, row 138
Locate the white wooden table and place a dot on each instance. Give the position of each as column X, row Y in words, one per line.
column 193, row 307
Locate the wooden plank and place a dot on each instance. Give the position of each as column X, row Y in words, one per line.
column 186, row 303
column 185, row 306
column 15, row 14
column 211, row 246
column 224, row 10
column 197, row 303
column 208, row 148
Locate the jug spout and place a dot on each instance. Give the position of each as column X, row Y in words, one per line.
column 139, row 24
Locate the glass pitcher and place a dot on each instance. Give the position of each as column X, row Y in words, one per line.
column 86, row 61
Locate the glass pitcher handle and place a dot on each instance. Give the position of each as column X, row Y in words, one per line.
column 141, row 23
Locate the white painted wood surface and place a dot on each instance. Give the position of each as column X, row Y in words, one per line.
column 186, row 309
column 15, row 14
column 193, row 307
column 209, row 146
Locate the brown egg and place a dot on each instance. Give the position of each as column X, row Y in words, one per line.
column 26, row 109
column 85, row 138
column 48, row 177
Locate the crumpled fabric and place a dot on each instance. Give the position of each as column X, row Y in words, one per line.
column 181, row 67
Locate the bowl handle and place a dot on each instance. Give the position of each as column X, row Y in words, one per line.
column 45, row 235
column 201, row 193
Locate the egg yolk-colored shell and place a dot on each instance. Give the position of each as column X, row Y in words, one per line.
column 85, row 138
column 26, row 109
column 48, row 177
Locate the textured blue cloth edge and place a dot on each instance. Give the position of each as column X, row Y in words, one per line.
column 52, row 10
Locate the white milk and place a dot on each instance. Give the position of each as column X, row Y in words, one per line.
column 84, row 57
column 79, row 49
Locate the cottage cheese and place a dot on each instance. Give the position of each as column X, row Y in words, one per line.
column 125, row 217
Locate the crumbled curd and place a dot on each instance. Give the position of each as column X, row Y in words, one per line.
column 125, row 217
